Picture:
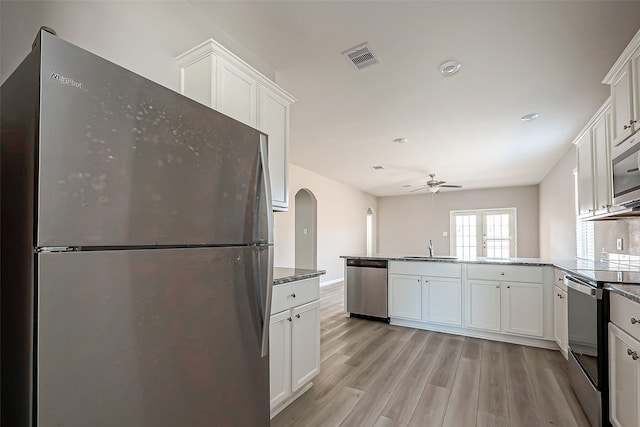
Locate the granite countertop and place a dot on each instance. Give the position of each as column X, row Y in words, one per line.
column 285, row 275
column 619, row 278
column 631, row 292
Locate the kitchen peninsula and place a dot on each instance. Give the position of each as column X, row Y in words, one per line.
column 510, row 300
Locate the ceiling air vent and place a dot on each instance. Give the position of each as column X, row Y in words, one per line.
column 361, row 56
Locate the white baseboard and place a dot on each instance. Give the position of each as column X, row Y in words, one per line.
column 331, row 282
column 459, row 330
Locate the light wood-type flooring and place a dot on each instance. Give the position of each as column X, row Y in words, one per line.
column 374, row 374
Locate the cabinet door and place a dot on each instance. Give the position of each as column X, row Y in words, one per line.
column 405, row 296
column 585, row 175
column 442, row 300
column 280, row 357
column 560, row 318
column 621, row 101
column 522, row 306
column 305, row 344
column 483, row 300
column 236, row 93
column 602, row 185
column 635, row 87
column 273, row 119
column 624, row 379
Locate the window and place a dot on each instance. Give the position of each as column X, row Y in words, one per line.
column 585, row 239
column 484, row 232
column 370, row 232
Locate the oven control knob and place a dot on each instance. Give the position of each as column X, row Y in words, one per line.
column 633, row 321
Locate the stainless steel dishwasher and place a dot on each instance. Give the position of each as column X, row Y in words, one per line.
column 367, row 288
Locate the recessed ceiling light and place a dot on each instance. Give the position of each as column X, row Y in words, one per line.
column 378, row 167
column 529, row 117
column 449, row 68
column 401, row 140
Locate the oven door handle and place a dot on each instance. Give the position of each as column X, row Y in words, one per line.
column 580, row 287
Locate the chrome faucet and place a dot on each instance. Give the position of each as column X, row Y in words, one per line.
column 430, row 248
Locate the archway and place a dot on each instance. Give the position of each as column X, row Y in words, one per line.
column 306, row 233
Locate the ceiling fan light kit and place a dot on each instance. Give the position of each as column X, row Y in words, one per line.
column 434, row 185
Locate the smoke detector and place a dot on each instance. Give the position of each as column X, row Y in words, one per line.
column 361, row 56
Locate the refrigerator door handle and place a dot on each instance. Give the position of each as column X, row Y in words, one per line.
column 267, row 304
column 264, row 160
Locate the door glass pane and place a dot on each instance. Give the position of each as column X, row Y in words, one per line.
column 465, row 237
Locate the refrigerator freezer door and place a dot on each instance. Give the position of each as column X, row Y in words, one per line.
column 124, row 161
column 166, row 337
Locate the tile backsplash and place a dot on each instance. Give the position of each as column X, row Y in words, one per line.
column 607, row 232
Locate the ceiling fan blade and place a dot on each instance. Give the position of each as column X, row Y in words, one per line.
column 451, row 186
column 418, row 189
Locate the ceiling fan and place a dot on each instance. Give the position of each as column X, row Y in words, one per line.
column 434, row 185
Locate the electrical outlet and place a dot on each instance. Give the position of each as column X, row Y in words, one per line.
column 619, row 244
column 445, row 234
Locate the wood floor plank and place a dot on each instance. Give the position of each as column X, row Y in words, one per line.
column 383, row 421
column 463, row 400
column 333, row 415
column 431, row 407
column 484, row 419
column 405, row 398
column 492, row 399
column 523, row 410
column 444, row 371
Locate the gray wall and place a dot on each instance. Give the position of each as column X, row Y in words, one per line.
column 406, row 223
column 558, row 211
column 606, row 233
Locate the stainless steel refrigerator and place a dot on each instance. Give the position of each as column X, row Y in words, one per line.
column 136, row 251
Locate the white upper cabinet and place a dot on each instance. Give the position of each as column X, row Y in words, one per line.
column 595, row 188
column 624, row 78
column 236, row 93
column 212, row 75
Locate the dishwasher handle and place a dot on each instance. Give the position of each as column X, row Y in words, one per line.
column 371, row 263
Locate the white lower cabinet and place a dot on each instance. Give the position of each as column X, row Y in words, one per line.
column 294, row 341
column 560, row 332
column 405, row 296
column 624, row 378
column 305, row 344
column 522, row 308
column 442, row 300
column 483, row 298
column 624, row 362
column 425, row 298
column 512, row 307
column 280, row 357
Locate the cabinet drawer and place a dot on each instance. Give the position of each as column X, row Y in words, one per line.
column 622, row 311
column 426, row 268
column 558, row 279
column 288, row 295
column 511, row 273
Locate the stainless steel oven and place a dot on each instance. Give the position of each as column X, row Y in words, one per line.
column 588, row 315
column 626, row 172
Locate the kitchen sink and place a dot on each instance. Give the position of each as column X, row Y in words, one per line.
column 432, row 257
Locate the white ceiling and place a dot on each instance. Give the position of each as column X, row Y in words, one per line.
column 518, row 57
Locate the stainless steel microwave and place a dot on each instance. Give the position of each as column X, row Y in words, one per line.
column 626, row 172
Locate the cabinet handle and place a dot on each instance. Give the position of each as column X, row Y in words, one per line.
column 560, row 279
column 289, row 319
column 292, row 295
column 298, row 316
column 632, row 121
column 625, row 127
column 497, row 286
column 502, row 274
column 633, row 321
column 508, row 287
column 632, row 353
column 561, row 296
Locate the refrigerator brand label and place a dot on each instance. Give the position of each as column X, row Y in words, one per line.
column 65, row 80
